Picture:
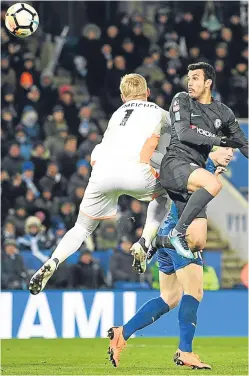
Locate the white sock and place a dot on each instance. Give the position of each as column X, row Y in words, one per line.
column 73, row 239
column 156, row 212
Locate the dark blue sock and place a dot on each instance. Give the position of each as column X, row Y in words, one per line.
column 146, row 315
column 187, row 317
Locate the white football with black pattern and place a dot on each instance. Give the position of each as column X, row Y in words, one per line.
column 21, row 20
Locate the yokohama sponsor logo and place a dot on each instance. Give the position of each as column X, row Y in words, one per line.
column 202, row 131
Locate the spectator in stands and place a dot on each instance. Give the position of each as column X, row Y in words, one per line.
column 89, row 144
column 28, row 202
column 80, row 177
column 35, row 239
column 107, row 55
column 28, row 177
column 239, row 90
column 221, row 53
column 137, row 212
column 106, row 235
column 8, row 75
column 141, row 42
column 15, row 52
column 194, row 55
column 55, row 121
column 9, row 230
column 111, row 95
column 5, row 140
column 47, row 203
column 188, row 29
column 7, row 122
column 206, row 44
column 172, row 57
column 66, row 100
column 49, row 93
column 33, row 99
column 68, row 157
column 54, row 180
column 151, row 71
column 132, row 58
column 160, row 101
column 29, row 66
column 8, row 99
column 113, row 38
column 87, row 122
column 12, row 188
column 89, row 46
column 172, row 77
column 13, row 274
column 163, row 22
column 13, row 161
column 121, row 263
column 29, row 120
column 56, row 234
column 222, row 83
column 87, row 273
column 18, row 217
column 26, row 82
column 66, row 214
column 40, row 157
column 168, row 92
column 226, row 36
column 24, row 141
column 77, row 195
column 56, row 142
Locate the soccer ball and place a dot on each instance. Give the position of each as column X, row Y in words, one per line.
column 21, row 20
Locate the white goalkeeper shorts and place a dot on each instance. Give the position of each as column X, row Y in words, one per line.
column 110, row 180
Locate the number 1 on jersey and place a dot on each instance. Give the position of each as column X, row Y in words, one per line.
column 126, row 117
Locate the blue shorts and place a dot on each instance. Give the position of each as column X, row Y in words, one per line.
column 168, row 260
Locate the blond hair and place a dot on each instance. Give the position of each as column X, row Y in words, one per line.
column 133, row 86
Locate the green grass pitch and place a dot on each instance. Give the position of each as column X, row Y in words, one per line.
column 143, row 356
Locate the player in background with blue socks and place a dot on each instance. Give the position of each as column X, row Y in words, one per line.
column 181, row 279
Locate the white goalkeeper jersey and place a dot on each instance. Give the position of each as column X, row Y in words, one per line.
column 133, row 133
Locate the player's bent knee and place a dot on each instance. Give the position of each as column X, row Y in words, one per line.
column 196, row 245
column 86, row 224
column 172, row 298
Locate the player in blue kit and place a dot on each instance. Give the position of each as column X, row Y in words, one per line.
column 180, row 280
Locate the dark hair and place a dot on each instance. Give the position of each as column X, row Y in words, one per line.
column 208, row 70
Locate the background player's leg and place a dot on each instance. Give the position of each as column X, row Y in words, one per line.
column 152, row 310
column 191, row 279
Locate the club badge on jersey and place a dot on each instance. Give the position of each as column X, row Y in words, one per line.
column 176, row 105
column 217, row 123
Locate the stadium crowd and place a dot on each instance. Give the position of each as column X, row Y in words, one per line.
column 48, row 136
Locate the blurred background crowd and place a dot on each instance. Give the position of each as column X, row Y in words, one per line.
column 59, row 88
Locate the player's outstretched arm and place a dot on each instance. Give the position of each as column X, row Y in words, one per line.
column 233, row 130
column 180, row 115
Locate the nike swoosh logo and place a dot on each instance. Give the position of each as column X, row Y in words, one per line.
column 192, row 115
column 35, row 22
